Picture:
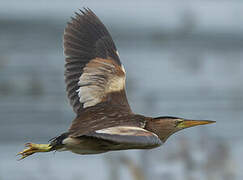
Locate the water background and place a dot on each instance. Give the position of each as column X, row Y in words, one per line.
column 182, row 58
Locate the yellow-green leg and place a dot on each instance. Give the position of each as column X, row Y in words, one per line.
column 33, row 148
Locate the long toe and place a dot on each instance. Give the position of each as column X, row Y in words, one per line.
column 28, row 151
column 33, row 148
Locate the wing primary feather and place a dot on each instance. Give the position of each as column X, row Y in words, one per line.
column 93, row 69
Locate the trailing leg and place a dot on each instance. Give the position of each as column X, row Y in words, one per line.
column 34, row 148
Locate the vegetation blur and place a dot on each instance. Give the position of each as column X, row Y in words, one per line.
column 182, row 58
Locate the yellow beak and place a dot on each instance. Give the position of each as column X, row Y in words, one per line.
column 190, row 123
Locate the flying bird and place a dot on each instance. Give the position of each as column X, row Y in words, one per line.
column 95, row 86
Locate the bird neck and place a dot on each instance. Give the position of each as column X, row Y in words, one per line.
column 163, row 128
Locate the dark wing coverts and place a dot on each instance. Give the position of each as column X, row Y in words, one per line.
column 93, row 71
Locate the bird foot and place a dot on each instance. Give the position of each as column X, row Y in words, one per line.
column 33, row 148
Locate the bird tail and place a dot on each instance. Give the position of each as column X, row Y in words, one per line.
column 56, row 142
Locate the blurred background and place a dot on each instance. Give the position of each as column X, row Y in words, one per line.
column 183, row 58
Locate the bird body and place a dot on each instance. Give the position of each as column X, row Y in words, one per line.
column 95, row 85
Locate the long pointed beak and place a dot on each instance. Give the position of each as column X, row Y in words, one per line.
column 190, row 123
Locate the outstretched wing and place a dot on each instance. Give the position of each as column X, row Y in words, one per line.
column 128, row 137
column 93, row 71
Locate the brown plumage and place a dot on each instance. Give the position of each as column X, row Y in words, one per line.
column 95, row 85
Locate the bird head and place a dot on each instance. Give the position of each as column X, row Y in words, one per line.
column 166, row 126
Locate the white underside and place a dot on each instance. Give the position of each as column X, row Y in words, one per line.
column 80, row 151
column 77, row 147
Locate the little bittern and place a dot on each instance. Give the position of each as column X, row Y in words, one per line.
column 95, row 85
